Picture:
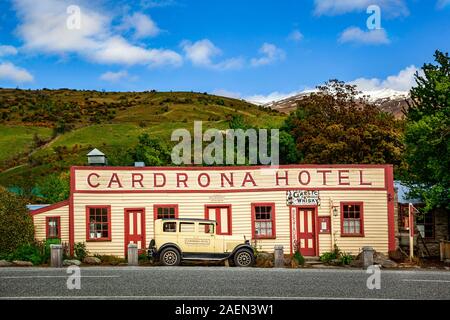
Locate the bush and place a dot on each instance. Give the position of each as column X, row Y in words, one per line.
column 345, row 258
column 299, row 258
column 80, row 251
column 37, row 252
column 326, row 257
column 16, row 224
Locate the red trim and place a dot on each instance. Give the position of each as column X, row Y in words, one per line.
column 261, row 204
column 71, row 213
column 88, row 239
column 389, row 176
column 156, row 206
column 191, row 168
column 316, row 225
column 127, row 229
column 220, row 206
column 327, row 220
column 50, row 207
column 351, row 203
column 47, row 229
column 290, row 229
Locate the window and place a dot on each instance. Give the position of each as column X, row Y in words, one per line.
column 425, row 225
column 403, row 217
column 352, row 222
column 263, row 220
column 222, row 215
column 53, row 228
column 207, row 228
column 187, row 227
column 170, row 227
column 98, row 220
column 165, row 211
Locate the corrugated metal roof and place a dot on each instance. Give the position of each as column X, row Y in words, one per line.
column 402, row 194
column 33, row 207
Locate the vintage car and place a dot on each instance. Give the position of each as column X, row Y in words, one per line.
column 196, row 239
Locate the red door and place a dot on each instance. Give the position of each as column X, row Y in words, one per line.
column 306, row 234
column 135, row 228
column 222, row 215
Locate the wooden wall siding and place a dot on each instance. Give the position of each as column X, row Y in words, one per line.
column 39, row 223
column 375, row 216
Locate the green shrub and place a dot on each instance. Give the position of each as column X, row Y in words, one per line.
column 345, row 258
column 326, row 257
column 28, row 252
column 16, row 224
column 299, row 258
column 143, row 257
column 80, row 251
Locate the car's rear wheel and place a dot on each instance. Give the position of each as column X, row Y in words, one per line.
column 244, row 258
column 170, row 257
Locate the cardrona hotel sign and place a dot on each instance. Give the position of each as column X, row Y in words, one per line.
column 224, row 179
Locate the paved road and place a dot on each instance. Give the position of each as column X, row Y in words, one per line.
column 220, row 283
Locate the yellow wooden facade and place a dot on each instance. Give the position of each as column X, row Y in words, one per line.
column 192, row 190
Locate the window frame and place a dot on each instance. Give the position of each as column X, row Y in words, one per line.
column 361, row 218
column 88, row 234
column 432, row 224
column 47, row 228
column 218, row 223
column 273, row 220
column 157, row 206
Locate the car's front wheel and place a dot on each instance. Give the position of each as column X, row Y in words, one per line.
column 170, row 257
column 244, row 258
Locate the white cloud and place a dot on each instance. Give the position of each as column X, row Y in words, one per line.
column 295, row 36
column 403, row 81
column 370, row 37
column 270, row 54
column 142, row 25
column 7, row 51
column 392, row 8
column 202, row 53
column 43, row 29
column 10, row 72
column 114, row 76
column 441, row 4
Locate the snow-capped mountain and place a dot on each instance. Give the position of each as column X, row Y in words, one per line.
column 388, row 100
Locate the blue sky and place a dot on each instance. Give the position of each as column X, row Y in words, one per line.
column 258, row 50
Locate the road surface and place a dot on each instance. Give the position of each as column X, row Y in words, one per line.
column 220, row 283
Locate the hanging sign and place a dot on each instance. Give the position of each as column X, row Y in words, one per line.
column 302, row 198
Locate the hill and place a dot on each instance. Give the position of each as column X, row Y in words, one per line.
column 43, row 131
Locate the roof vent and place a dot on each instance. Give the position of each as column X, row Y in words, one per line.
column 139, row 164
column 97, row 158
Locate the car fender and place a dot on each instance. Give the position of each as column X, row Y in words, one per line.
column 168, row 245
column 242, row 246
